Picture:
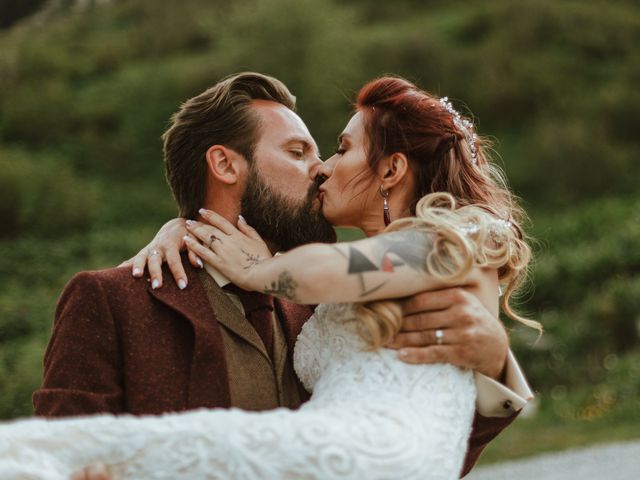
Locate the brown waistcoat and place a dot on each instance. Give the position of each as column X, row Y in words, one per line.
column 256, row 382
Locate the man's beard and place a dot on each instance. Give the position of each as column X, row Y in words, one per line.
column 280, row 220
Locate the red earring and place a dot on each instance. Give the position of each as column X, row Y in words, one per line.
column 385, row 206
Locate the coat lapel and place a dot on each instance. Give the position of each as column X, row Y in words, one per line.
column 230, row 316
column 209, row 382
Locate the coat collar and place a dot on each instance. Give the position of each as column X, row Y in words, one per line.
column 209, row 382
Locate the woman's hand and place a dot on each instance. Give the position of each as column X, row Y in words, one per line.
column 166, row 246
column 235, row 252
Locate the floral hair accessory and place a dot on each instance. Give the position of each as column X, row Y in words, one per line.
column 465, row 126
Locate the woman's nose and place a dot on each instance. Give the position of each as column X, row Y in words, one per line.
column 326, row 169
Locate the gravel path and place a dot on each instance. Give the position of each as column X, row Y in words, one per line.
column 613, row 461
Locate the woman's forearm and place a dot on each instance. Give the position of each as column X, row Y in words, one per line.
column 386, row 266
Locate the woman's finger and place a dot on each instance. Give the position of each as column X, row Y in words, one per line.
column 201, row 251
column 247, row 229
column 205, row 233
column 195, row 260
column 174, row 260
column 218, row 221
column 154, row 264
column 139, row 262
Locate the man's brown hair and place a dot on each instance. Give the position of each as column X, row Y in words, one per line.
column 221, row 115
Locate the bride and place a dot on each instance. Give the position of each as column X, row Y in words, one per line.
column 370, row 415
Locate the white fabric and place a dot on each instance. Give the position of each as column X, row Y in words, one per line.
column 498, row 400
column 370, row 416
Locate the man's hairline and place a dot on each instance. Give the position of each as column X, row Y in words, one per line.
column 255, row 104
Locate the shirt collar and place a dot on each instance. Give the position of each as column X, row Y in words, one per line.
column 218, row 277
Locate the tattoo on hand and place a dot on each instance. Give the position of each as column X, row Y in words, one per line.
column 285, row 287
column 252, row 259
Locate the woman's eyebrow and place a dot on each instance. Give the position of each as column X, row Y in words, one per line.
column 343, row 136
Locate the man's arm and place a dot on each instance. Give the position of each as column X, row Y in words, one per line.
column 82, row 364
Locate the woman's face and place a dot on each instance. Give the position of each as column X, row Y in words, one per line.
column 347, row 193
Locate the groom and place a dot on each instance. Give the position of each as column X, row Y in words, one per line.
column 120, row 345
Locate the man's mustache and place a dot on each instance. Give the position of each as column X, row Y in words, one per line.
column 314, row 189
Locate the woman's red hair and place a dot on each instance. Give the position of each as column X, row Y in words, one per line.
column 445, row 155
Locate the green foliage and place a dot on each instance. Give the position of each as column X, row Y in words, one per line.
column 586, row 294
column 40, row 194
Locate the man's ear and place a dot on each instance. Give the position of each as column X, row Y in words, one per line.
column 392, row 170
column 225, row 164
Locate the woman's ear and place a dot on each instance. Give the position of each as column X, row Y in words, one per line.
column 225, row 165
column 393, row 169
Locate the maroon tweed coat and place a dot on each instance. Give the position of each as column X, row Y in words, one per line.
column 118, row 346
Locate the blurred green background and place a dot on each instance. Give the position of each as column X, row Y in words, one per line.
column 87, row 87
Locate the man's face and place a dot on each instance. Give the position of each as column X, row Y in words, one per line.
column 281, row 196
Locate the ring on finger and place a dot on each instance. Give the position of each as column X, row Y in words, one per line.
column 154, row 252
column 212, row 238
column 439, row 336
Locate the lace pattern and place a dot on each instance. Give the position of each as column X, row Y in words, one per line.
column 370, row 416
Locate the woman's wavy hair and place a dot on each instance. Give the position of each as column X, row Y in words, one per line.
column 461, row 195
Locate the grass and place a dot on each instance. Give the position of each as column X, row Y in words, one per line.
column 549, row 432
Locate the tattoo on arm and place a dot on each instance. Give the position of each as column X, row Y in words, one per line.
column 407, row 247
column 252, row 259
column 285, row 287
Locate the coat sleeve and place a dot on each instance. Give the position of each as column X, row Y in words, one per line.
column 484, row 430
column 82, row 363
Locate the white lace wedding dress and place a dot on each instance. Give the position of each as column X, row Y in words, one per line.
column 370, row 417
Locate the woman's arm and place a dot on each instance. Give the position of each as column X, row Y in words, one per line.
column 386, row 266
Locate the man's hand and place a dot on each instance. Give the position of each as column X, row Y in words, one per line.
column 470, row 337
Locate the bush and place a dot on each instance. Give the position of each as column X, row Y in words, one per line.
column 586, row 293
column 40, row 195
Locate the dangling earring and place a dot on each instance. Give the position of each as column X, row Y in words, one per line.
column 385, row 206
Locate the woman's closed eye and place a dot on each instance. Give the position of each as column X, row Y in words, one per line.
column 341, row 150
